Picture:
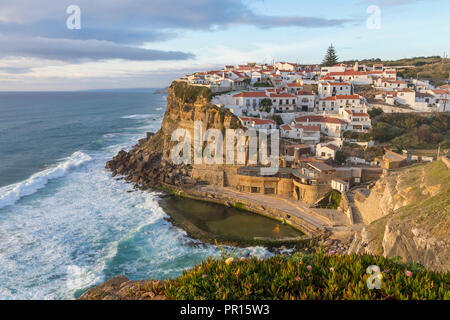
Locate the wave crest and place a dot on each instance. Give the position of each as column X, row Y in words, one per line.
column 139, row 116
column 13, row 193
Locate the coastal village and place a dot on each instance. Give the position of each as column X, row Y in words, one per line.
column 334, row 177
column 321, row 113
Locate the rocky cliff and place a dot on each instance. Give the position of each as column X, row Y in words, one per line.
column 148, row 164
column 407, row 214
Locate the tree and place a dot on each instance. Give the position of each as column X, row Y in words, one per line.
column 331, row 58
column 266, row 104
column 340, row 157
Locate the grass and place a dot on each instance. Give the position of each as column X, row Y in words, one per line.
column 331, row 200
column 306, row 276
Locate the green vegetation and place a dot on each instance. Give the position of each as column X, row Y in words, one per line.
column 434, row 67
column 360, row 136
column 305, row 276
column 262, row 84
column 330, row 58
column 332, row 200
column 413, row 131
column 266, row 105
column 277, row 118
column 189, row 93
column 375, row 112
column 340, row 156
column 239, row 206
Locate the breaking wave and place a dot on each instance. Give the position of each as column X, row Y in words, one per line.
column 13, row 193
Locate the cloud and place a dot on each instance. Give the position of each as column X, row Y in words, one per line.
column 75, row 51
column 139, row 21
column 15, row 70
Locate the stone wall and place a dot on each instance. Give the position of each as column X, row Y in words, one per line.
column 310, row 193
column 446, row 161
column 216, row 175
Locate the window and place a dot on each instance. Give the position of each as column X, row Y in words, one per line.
column 237, row 102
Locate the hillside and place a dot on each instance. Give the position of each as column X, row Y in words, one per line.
column 433, row 67
column 412, row 131
column 408, row 214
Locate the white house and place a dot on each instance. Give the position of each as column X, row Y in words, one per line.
column 258, row 123
column 250, row 100
column 306, row 101
column 355, row 77
column 391, row 84
column 334, row 103
column 358, row 121
column 340, row 185
column 406, row 96
column 327, row 89
column 326, row 151
column 293, row 88
column 307, row 134
column 336, row 68
column 283, row 102
column 331, row 126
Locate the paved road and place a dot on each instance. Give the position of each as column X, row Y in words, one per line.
column 317, row 218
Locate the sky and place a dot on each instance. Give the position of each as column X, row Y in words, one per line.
column 148, row 43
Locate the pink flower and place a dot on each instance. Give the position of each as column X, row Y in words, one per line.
column 331, row 252
column 298, row 279
column 204, row 276
column 408, row 273
column 309, row 268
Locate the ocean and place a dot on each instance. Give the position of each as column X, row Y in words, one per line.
column 65, row 223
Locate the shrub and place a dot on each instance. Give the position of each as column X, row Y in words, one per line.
column 306, row 276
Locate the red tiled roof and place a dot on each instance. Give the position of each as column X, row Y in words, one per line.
column 310, row 128
column 286, row 127
column 348, row 73
column 294, row 85
column 347, row 97
column 258, row 121
column 319, row 119
column 440, row 91
column 363, row 114
column 332, row 147
column 305, row 93
column 251, row 94
column 338, row 83
column 282, row 95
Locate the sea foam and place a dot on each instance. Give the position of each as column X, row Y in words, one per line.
column 13, row 193
column 139, row 116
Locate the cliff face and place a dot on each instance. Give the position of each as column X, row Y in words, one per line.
column 149, row 164
column 407, row 214
column 398, row 189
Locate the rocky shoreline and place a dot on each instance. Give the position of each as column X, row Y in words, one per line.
column 147, row 170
